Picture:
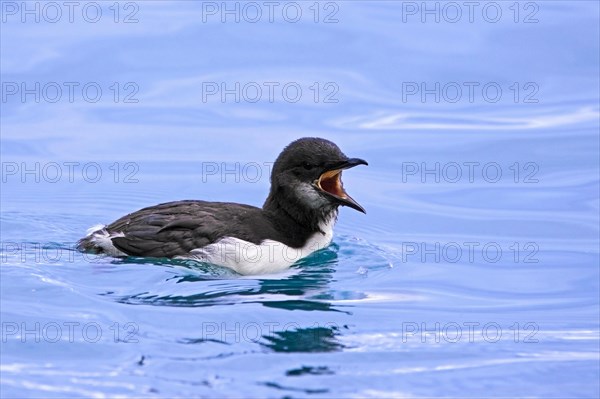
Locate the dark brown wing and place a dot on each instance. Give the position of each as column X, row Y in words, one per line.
column 176, row 228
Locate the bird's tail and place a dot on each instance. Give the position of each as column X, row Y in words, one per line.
column 90, row 243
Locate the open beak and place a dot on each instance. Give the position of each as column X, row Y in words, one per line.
column 330, row 182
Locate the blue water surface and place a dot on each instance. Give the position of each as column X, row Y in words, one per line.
column 474, row 273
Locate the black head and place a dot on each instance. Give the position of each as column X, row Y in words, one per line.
column 306, row 179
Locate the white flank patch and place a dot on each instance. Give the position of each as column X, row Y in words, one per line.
column 101, row 238
column 268, row 257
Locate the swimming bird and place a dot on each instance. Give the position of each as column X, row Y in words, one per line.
column 296, row 219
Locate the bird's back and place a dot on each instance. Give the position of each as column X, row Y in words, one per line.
column 176, row 228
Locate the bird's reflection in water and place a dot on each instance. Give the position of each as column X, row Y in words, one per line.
column 185, row 287
column 313, row 339
column 191, row 284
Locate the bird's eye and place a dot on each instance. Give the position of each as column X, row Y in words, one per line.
column 307, row 166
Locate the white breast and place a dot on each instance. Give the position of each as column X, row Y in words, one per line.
column 268, row 257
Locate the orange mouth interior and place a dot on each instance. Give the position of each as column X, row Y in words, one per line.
column 331, row 182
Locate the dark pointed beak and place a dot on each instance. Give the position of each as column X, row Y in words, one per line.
column 330, row 182
column 347, row 164
column 349, row 201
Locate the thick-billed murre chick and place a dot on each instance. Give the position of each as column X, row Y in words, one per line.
column 296, row 219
